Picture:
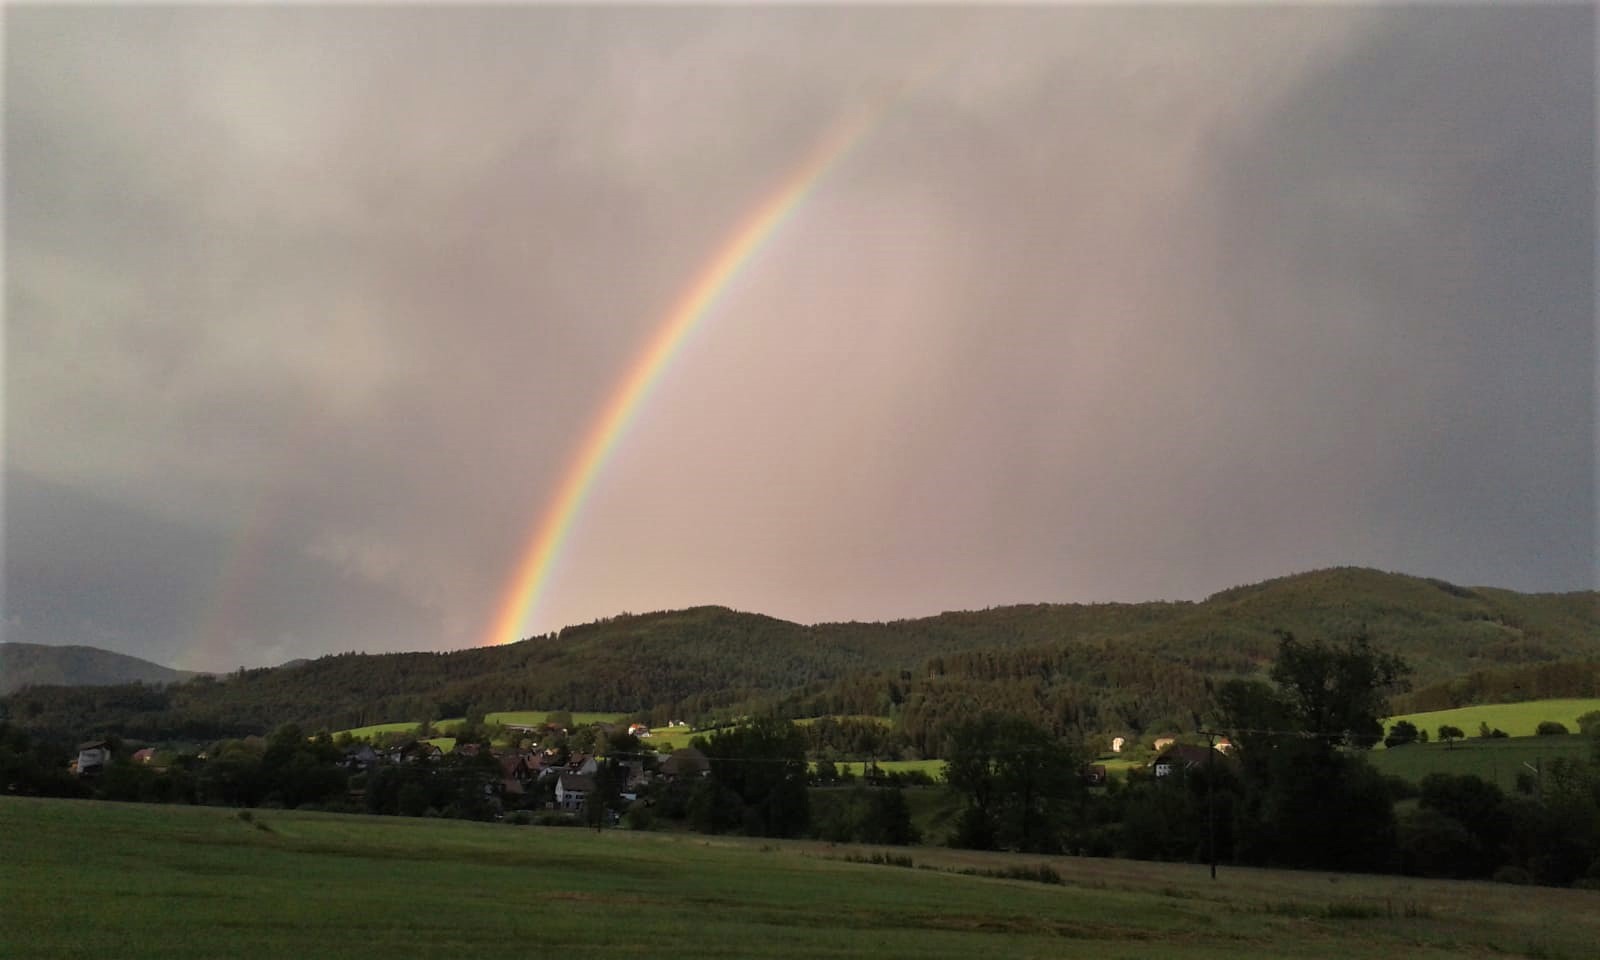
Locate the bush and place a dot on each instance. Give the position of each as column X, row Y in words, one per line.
column 1589, row 723
column 1550, row 728
column 640, row 816
column 520, row 818
column 1512, row 874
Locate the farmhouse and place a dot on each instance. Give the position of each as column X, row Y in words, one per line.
column 93, row 757
column 359, row 758
column 572, row 789
column 684, row 764
column 1184, row 756
column 418, row 750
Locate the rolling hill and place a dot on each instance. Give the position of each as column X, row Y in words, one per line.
column 22, row 664
column 1088, row 667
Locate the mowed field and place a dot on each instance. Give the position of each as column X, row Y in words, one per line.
column 84, row 879
column 1516, row 719
column 1497, row 760
column 522, row 717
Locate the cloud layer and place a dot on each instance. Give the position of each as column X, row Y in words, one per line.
column 307, row 309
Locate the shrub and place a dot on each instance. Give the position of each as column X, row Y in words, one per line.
column 1402, row 734
column 1589, row 723
column 520, row 818
column 1512, row 874
column 1551, row 728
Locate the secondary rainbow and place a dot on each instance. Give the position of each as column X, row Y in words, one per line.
column 528, row 584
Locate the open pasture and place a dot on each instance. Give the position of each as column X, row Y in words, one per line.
column 861, row 717
column 1516, row 719
column 527, row 717
column 85, row 879
column 933, row 768
column 1497, row 760
column 535, row 717
column 376, row 729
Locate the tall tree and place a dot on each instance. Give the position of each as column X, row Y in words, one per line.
column 763, row 763
column 1020, row 783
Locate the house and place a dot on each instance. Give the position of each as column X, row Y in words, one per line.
column 1094, row 774
column 572, row 789
column 143, row 757
column 467, row 749
column 359, row 758
column 1116, row 744
column 583, row 764
column 1163, row 743
column 635, row 774
column 685, row 763
column 514, row 766
column 1182, row 756
column 639, row 730
column 93, row 757
column 418, row 750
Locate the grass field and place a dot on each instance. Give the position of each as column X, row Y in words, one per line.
column 933, row 768
column 1497, row 760
column 503, row 716
column 375, row 729
column 1516, row 719
column 83, row 879
column 538, row 716
column 867, row 717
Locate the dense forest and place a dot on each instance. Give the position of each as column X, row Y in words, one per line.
column 1072, row 668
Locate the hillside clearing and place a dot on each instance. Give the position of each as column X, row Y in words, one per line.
column 1516, row 719
column 1497, row 760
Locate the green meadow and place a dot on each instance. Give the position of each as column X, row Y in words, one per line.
column 533, row 717
column 86, row 879
column 523, row 717
column 933, row 768
column 1516, row 719
column 1497, row 760
column 863, row 717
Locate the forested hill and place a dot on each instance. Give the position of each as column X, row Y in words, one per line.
column 1092, row 667
column 22, row 664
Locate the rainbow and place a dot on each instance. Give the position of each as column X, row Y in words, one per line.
column 527, row 585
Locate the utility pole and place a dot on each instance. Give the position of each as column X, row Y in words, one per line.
column 1538, row 778
column 1211, row 801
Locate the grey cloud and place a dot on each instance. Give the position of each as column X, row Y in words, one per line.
column 1111, row 304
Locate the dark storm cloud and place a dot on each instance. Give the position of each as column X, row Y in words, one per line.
column 1114, row 304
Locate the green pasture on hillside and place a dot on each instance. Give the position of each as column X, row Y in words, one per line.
column 376, row 729
column 186, row 882
column 445, row 726
column 1497, row 760
column 933, row 768
column 535, row 717
column 1516, row 719
column 863, row 717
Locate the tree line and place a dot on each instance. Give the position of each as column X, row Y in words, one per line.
column 1295, row 791
column 1073, row 668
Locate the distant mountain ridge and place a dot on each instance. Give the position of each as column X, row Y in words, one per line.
column 1089, row 667
column 24, row 664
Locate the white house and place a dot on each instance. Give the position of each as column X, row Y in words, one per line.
column 93, row 757
column 572, row 789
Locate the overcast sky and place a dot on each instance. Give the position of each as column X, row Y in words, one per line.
column 309, row 308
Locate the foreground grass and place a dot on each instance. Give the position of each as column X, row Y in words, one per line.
column 83, row 879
